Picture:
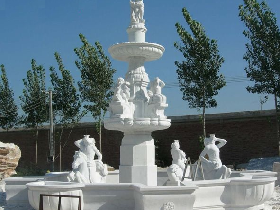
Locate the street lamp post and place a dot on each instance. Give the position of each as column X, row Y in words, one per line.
column 52, row 147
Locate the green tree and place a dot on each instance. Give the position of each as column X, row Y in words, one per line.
column 33, row 100
column 96, row 80
column 198, row 74
column 8, row 107
column 66, row 100
column 263, row 54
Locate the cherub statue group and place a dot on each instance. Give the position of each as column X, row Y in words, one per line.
column 122, row 105
column 85, row 168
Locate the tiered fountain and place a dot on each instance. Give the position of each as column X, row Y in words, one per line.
column 135, row 110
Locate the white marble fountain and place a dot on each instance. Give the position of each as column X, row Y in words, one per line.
column 137, row 109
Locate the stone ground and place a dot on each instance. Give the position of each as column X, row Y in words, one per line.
column 272, row 204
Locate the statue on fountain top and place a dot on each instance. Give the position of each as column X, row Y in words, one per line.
column 213, row 167
column 85, row 168
column 137, row 11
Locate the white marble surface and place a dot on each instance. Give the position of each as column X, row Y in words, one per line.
column 175, row 172
column 212, row 165
column 85, row 168
column 114, row 196
column 35, row 189
column 273, row 203
column 136, row 109
column 205, row 194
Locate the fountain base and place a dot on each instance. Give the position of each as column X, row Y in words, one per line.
column 136, row 174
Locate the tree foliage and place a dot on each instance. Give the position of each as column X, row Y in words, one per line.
column 262, row 55
column 33, row 100
column 96, row 78
column 8, row 108
column 66, row 100
column 34, row 97
column 198, row 74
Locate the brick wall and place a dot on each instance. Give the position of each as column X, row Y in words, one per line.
column 249, row 135
column 25, row 139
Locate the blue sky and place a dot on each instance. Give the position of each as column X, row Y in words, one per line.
column 38, row 28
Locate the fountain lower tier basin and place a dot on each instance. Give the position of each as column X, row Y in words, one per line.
column 55, row 188
column 149, row 51
column 246, row 191
column 239, row 193
column 138, row 124
column 112, row 196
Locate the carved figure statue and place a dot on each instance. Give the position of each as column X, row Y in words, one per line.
column 137, row 11
column 157, row 101
column 85, row 168
column 118, row 90
column 122, row 91
column 175, row 171
column 178, row 156
column 156, row 87
column 80, row 171
column 213, row 167
column 125, row 91
column 120, row 105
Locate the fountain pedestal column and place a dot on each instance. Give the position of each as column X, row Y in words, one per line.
column 137, row 159
column 136, row 110
column 137, row 151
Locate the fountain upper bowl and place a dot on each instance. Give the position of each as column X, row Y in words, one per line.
column 123, row 51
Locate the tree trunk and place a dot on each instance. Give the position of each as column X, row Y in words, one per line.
column 60, row 150
column 203, row 122
column 60, row 155
column 203, row 113
column 100, row 129
column 65, row 143
column 36, row 146
column 276, row 118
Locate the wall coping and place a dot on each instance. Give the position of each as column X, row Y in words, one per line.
column 245, row 115
column 226, row 116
